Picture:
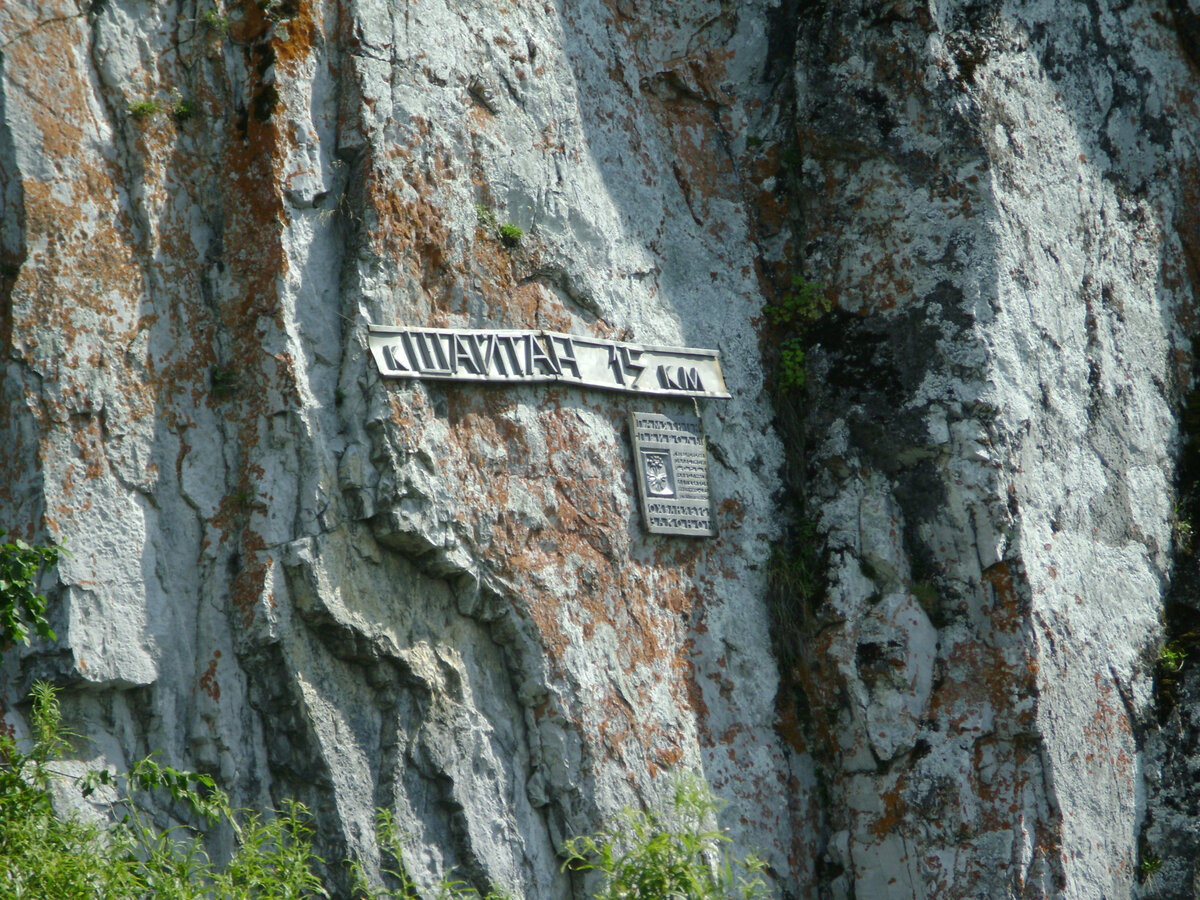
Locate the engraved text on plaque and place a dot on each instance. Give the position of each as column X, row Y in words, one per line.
column 511, row 357
column 671, row 460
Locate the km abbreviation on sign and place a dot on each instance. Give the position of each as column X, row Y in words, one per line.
column 679, row 378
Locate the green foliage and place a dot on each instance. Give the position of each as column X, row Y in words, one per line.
column 215, row 21
column 274, row 859
column 242, row 499
column 676, row 854
column 144, row 108
column 50, row 741
column 792, row 317
column 21, row 606
column 1172, row 657
column 43, row 855
column 197, row 791
column 1182, row 531
column 391, row 842
column 1149, row 867
column 510, row 234
column 792, row 370
column 182, row 108
column 485, row 217
column 803, row 304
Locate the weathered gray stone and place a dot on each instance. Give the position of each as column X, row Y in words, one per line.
column 317, row 583
column 439, row 599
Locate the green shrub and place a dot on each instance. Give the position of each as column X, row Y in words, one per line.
column 46, row 856
column 642, row 856
column 42, row 855
column 668, row 855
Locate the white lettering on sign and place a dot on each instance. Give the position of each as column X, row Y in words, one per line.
column 544, row 356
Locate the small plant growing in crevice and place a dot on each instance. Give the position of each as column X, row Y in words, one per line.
column 485, row 217
column 1171, row 658
column 792, row 317
column 1149, row 867
column 213, row 20
column 793, row 371
column 795, row 581
column 510, row 234
column 677, row 852
column 792, row 159
column 182, row 109
column 1182, row 531
column 145, row 108
column 242, row 499
column 801, row 305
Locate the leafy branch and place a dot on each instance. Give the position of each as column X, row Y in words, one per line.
column 21, row 606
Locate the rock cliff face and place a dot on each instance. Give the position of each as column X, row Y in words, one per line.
column 440, row 599
column 1000, row 197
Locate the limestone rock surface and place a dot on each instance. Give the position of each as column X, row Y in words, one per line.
column 439, row 598
column 314, row 582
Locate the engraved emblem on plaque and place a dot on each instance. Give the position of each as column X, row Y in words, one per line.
column 671, row 462
column 657, row 468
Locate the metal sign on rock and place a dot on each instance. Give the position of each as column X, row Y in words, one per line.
column 671, row 460
column 511, row 356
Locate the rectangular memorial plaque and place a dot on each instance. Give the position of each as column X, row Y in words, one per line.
column 511, row 356
column 671, row 460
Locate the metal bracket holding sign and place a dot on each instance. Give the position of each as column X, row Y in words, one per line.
column 510, row 356
column 671, row 461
